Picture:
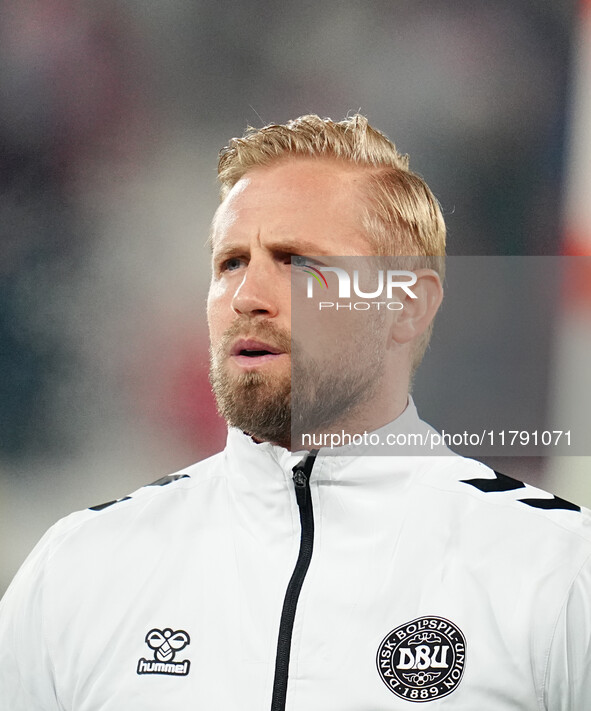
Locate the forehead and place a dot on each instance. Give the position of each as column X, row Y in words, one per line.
column 313, row 199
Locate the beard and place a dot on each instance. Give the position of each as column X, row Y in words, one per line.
column 256, row 402
column 312, row 396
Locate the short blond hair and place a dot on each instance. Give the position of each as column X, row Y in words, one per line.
column 401, row 215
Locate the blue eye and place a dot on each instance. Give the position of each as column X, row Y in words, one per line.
column 232, row 264
column 299, row 261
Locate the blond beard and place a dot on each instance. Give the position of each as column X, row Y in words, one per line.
column 256, row 402
column 308, row 398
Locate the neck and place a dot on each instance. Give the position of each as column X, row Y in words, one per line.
column 366, row 417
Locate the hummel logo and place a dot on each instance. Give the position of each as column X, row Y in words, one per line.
column 165, row 644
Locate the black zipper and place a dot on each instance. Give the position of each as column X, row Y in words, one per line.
column 301, row 481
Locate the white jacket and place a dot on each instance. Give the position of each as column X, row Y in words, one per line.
column 421, row 588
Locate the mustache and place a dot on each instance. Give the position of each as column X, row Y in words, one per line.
column 261, row 330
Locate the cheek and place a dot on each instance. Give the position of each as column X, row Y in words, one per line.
column 218, row 311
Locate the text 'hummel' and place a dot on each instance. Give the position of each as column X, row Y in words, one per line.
column 165, row 643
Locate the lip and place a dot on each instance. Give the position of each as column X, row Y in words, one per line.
column 252, row 344
column 271, row 353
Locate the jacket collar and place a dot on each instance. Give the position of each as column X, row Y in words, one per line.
column 404, row 428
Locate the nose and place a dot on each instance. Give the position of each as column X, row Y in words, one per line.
column 257, row 293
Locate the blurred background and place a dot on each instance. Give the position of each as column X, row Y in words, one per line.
column 112, row 113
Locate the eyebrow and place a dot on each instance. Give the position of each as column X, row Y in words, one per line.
column 287, row 246
column 298, row 246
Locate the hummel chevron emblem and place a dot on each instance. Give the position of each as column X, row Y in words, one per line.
column 100, row 507
column 554, row 503
column 500, row 483
column 168, row 479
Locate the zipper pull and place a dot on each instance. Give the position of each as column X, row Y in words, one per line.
column 301, row 483
column 301, row 477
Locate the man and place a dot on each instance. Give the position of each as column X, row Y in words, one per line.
column 263, row 578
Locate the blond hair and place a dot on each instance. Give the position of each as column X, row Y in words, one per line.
column 400, row 215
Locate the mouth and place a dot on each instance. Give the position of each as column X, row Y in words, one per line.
column 252, row 353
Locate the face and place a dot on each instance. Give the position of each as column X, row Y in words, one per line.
column 298, row 207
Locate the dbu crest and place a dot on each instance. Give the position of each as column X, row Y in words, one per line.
column 423, row 659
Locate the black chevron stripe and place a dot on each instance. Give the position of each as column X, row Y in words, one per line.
column 168, row 479
column 553, row 503
column 502, row 482
column 100, row 507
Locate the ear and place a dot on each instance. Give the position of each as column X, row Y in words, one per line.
column 416, row 314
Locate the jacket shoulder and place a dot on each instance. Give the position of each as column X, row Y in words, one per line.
column 509, row 500
column 147, row 503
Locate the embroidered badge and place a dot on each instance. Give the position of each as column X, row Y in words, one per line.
column 165, row 643
column 423, row 659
